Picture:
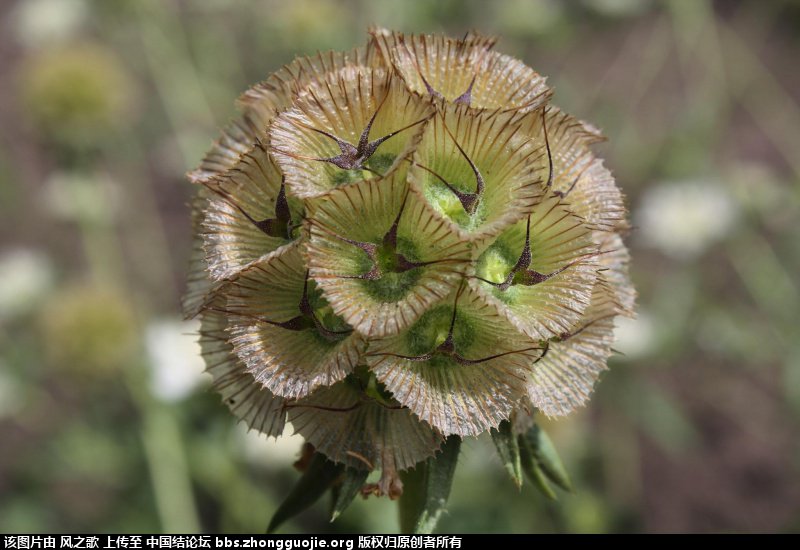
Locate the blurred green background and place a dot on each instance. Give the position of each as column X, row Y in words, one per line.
column 106, row 422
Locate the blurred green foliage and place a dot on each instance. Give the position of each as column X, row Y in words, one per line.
column 106, row 104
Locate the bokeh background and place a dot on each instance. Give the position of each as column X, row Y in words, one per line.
column 106, row 422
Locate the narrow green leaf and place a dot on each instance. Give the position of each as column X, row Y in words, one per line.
column 508, row 449
column 530, row 465
column 540, row 481
column 426, row 489
column 319, row 476
column 413, row 498
column 548, row 458
column 344, row 493
column 334, row 497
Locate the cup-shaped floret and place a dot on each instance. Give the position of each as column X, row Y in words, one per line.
column 614, row 259
column 237, row 139
column 284, row 331
column 356, row 124
column 260, row 103
column 198, row 283
column 463, row 71
column 565, row 376
column 478, row 171
column 461, row 367
column 355, row 424
column 578, row 175
column 248, row 214
column 279, row 90
column 380, row 255
column 539, row 273
column 260, row 409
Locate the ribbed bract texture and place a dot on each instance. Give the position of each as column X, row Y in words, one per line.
column 401, row 243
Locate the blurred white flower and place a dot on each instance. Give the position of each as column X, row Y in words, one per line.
column 682, row 219
column 175, row 361
column 634, row 338
column 266, row 451
column 41, row 22
column 25, row 276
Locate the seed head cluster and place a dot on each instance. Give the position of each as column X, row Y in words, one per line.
column 405, row 242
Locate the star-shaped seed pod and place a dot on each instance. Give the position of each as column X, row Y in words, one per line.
column 278, row 92
column 400, row 246
column 356, row 124
column 358, row 423
column 284, row 331
column 579, row 177
column 249, row 214
column 478, row 171
column 260, row 409
column 540, row 272
column 381, row 256
column 464, row 71
column 453, row 369
column 261, row 103
column 565, row 376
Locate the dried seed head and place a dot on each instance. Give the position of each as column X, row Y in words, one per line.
column 402, row 243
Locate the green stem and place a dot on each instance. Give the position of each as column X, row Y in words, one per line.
column 169, row 472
